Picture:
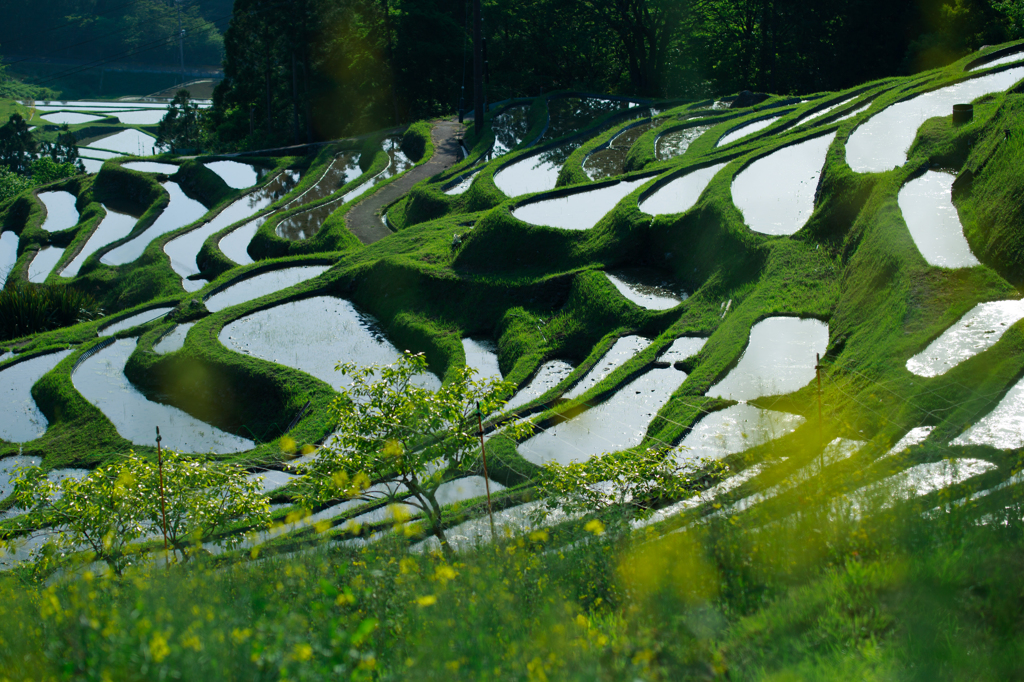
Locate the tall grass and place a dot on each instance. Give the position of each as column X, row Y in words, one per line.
column 27, row 309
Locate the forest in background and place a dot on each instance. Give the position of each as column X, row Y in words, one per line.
column 303, row 70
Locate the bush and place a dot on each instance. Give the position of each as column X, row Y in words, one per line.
column 26, row 309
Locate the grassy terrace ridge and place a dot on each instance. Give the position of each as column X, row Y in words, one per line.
column 799, row 586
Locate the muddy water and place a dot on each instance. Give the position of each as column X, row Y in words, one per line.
column 261, row 285
column 236, row 175
column 973, row 333
column 8, row 254
column 482, row 355
column 151, row 167
column 549, row 375
column 622, row 350
column 927, row 206
column 647, row 288
column 20, row 419
column 101, row 380
column 611, row 161
column 173, row 340
column 184, row 250
column 129, row 141
column 1003, row 427
column 180, row 211
column 509, row 128
column 135, row 320
column 535, row 173
column 746, row 130
column 60, row 210
column 882, row 142
column 112, row 227
column 568, row 114
column 675, row 143
column 776, row 192
column 41, row 266
column 616, row 424
column 681, row 194
column 779, row 358
column 580, row 211
column 313, row 335
column 1008, row 59
column 733, row 430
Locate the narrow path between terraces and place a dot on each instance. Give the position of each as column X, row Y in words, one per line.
column 364, row 219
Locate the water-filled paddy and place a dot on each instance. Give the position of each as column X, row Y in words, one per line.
column 313, row 335
column 8, row 254
column 733, row 430
column 549, row 375
column 462, row 185
column 618, row 423
column 99, row 153
column 180, row 211
column 112, row 227
column 776, row 192
column 1008, row 59
column 398, row 163
column 140, row 118
column 184, row 250
column 101, row 380
column 509, row 128
column 20, row 418
column 343, row 169
column 911, row 438
column 69, row 117
column 236, row 175
column 135, row 320
column 621, row 351
column 534, row 173
column 128, row 141
column 482, row 355
column 779, row 358
column 235, row 244
column 646, row 287
column 924, row 478
column 580, row 211
column 675, row 143
column 91, row 165
column 821, row 112
column 462, row 489
column 1003, row 427
column 43, row 263
column 8, row 473
column 261, row 285
column 305, row 224
column 60, row 210
column 927, row 206
column 973, row 333
column 881, row 143
column 746, row 130
column 150, row 167
column 680, row 195
column 682, row 348
column 173, row 340
column 611, row 161
column 568, row 114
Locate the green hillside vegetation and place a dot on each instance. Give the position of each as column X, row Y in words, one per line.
column 791, row 571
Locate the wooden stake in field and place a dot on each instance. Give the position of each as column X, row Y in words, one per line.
column 821, row 425
column 163, row 505
column 487, row 478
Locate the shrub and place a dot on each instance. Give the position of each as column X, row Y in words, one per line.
column 26, row 309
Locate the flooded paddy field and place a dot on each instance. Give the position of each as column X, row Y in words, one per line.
column 698, row 311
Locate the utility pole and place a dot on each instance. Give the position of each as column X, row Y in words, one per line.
column 478, row 69
column 181, row 41
column 163, row 505
column 483, row 456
